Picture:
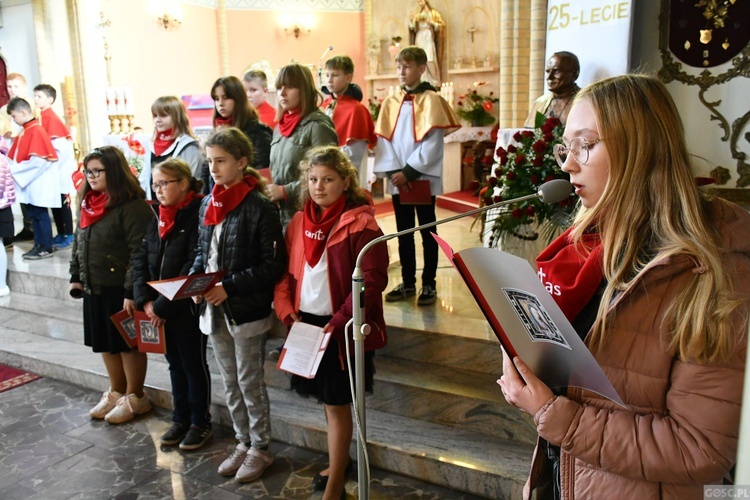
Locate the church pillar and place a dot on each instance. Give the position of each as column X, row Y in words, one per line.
column 221, row 23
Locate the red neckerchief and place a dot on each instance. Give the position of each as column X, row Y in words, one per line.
column 267, row 114
column 93, row 207
column 163, row 141
column 53, row 125
column 32, row 141
column 289, row 121
column 167, row 214
column 224, row 201
column 223, row 122
column 317, row 227
column 571, row 275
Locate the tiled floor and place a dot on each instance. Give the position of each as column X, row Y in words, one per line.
column 51, row 449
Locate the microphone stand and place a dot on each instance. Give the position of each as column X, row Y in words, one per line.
column 360, row 331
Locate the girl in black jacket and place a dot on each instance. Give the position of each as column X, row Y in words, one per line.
column 240, row 234
column 168, row 251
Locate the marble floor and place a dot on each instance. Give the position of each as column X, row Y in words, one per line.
column 50, row 449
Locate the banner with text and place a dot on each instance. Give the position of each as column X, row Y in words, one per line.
column 597, row 31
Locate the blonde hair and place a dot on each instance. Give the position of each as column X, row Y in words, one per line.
column 651, row 210
column 174, row 108
column 333, row 158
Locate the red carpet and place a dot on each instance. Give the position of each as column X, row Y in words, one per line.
column 458, row 201
column 11, row 378
column 383, row 207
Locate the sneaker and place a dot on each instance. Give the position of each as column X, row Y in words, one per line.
column 24, row 235
column 127, row 408
column 252, row 468
column 274, row 354
column 427, row 296
column 65, row 242
column 401, row 292
column 38, row 253
column 35, row 248
column 174, row 434
column 233, row 462
column 105, row 405
column 196, row 437
column 57, row 239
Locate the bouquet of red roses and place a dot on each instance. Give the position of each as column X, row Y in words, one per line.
column 520, row 170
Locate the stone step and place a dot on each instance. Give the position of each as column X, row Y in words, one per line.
column 435, row 410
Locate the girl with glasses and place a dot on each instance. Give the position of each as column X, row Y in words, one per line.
column 113, row 216
column 653, row 276
column 168, row 251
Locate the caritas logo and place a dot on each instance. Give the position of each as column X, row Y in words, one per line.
column 551, row 287
column 317, row 235
column 217, row 204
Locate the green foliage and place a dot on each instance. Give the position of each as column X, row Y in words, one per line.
column 477, row 108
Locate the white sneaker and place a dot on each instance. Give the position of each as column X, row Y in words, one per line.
column 252, row 468
column 233, row 462
column 105, row 405
column 127, row 408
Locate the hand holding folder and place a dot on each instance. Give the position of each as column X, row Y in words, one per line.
column 187, row 286
column 303, row 349
column 416, row 193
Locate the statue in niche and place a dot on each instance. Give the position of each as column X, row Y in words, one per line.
column 427, row 30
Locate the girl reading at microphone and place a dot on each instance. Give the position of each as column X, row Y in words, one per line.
column 653, row 276
column 323, row 242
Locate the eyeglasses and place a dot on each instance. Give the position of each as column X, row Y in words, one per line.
column 93, row 173
column 156, row 186
column 579, row 148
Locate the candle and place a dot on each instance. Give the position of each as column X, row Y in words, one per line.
column 110, row 96
column 129, row 105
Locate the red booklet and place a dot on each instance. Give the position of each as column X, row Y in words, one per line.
column 526, row 319
column 126, row 326
column 418, row 193
column 187, row 286
column 150, row 338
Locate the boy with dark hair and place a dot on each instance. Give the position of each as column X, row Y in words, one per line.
column 33, row 166
column 256, row 86
column 410, row 131
column 352, row 119
column 44, row 97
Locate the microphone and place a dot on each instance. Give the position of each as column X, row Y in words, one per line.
column 553, row 191
column 320, row 66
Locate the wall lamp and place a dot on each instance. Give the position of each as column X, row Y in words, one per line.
column 296, row 25
column 170, row 15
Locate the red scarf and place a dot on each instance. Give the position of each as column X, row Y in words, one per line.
column 289, row 122
column 220, row 122
column 224, row 201
column 317, row 227
column 167, row 214
column 32, row 141
column 571, row 275
column 163, row 141
column 93, row 207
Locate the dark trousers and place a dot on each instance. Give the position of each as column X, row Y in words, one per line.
column 406, row 252
column 26, row 218
column 42, row 226
column 63, row 216
column 191, row 381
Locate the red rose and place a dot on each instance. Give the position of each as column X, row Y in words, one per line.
column 460, row 103
column 546, row 129
column 503, row 160
column 487, row 160
column 548, row 178
column 517, row 137
column 511, row 176
column 538, row 161
column 497, row 199
column 539, row 146
column 530, row 210
column 512, row 149
column 517, row 213
column 498, row 172
column 487, row 200
column 492, row 181
column 487, row 105
column 527, row 133
column 549, row 137
column 552, row 121
column 520, row 159
column 500, row 151
column 474, row 92
column 534, row 179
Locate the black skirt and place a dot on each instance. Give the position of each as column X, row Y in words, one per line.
column 99, row 331
column 331, row 383
column 6, row 223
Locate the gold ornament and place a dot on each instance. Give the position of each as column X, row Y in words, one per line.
column 706, row 36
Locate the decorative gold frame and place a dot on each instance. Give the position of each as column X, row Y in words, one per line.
column 671, row 70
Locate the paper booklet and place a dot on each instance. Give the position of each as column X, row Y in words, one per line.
column 418, row 193
column 187, row 286
column 137, row 331
column 526, row 319
column 303, row 349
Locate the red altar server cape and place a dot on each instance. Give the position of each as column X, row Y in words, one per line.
column 34, row 167
column 429, row 111
column 54, row 125
column 267, row 114
column 352, row 120
column 33, row 140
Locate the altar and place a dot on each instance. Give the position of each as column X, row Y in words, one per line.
column 456, row 145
